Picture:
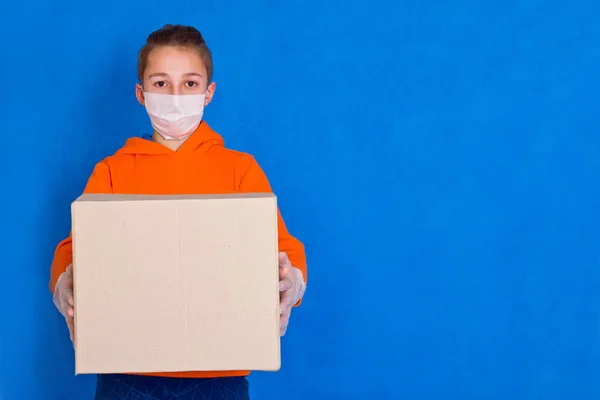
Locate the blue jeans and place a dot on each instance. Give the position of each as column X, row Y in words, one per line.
column 133, row 387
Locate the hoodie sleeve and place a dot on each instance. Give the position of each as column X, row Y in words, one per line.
column 253, row 179
column 100, row 183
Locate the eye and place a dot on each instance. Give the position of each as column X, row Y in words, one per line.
column 191, row 84
column 160, row 84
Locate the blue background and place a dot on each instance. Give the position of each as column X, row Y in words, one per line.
column 440, row 160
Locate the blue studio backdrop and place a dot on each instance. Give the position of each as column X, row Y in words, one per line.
column 440, row 161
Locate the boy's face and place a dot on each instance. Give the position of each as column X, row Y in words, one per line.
column 175, row 70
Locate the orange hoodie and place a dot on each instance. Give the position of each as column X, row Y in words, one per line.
column 200, row 166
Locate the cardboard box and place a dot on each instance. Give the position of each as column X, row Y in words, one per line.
column 176, row 283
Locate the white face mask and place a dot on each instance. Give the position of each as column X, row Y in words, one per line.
column 174, row 116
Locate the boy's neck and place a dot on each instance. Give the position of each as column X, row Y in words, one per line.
column 171, row 144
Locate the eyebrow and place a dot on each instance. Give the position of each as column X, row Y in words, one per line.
column 163, row 74
column 193, row 74
column 157, row 74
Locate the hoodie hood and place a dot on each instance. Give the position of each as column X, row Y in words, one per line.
column 202, row 140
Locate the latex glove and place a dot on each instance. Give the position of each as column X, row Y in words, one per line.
column 291, row 287
column 63, row 297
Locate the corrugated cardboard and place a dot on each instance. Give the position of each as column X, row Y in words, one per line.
column 175, row 283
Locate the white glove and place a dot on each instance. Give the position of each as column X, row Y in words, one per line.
column 292, row 288
column 63, row 297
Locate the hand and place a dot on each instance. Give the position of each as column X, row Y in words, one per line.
column 63, row 297
column 291, row 287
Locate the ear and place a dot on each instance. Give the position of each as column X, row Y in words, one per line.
column 139, row 93
column 210, row 92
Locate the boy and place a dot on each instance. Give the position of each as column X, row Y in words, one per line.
column 182, row 156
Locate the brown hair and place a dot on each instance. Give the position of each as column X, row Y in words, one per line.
column 177, row 36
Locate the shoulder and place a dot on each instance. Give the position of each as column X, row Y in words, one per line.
column 111, row 161
column 133, row 146
column 239, row 159
column 249, row 176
